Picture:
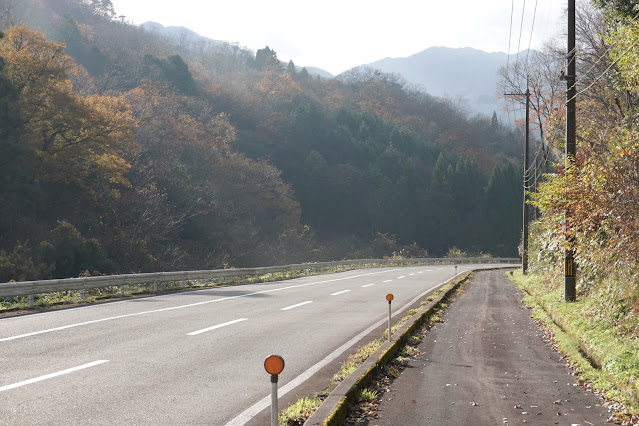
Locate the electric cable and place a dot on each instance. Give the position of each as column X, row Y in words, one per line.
column 521, row 29
column 510, row 34
column 532, row 28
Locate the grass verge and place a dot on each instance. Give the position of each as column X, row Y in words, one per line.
column 602, row 361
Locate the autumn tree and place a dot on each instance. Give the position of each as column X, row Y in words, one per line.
column 68, row 147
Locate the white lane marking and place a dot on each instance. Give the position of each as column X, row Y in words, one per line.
column 246, row 415
column 420, row 272
column 411, row 274
column 35, row 333
column 403, row 276
column 52, row 375
column 367, row 285
column 297, row 305
column 195, row 333
column 387, row 281
column 340, row 292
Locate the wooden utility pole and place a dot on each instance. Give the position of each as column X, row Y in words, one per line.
column 524, row 251
column 570, row 267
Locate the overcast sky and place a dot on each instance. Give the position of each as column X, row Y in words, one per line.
column 336, row 35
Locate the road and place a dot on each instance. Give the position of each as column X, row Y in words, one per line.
column 193, row 357
column 488, row 362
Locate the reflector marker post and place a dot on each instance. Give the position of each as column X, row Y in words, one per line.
column 389, row 297
column 274, row 365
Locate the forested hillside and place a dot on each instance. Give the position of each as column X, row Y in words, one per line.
column 121, row 152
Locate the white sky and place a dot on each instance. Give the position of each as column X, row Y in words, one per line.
column 336, row 35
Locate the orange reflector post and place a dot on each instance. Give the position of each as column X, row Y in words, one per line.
column 274, row 364
column 389, row 297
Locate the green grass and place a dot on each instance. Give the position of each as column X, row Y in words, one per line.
column 297, row 413
column 587, row 332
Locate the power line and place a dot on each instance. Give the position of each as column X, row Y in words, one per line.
column 532, row 28
column 521, row 28
column 510, row 33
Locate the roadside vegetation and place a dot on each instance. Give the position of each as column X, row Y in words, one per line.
column 590, row 203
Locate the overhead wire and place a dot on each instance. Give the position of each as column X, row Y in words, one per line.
column 532, row 29
column 510, row 32
column 510, row 35
column 521, row 28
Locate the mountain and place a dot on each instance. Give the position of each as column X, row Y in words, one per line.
column 181, row 36
column 465, row 73
column 188, row 39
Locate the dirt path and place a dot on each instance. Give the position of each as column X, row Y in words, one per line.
column 487, row 364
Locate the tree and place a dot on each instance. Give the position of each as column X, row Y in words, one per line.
column 173, row 70
column 290, row 68
column 539, row 75
column 68, row 148
column 267, row 58
column 623, row 8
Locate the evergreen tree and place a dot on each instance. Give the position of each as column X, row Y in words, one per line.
column 267, row 58
column 290, row 68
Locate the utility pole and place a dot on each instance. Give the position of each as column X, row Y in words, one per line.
column 524, row 254
column 570, row 267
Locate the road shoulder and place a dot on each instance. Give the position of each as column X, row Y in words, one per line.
column 488, row 362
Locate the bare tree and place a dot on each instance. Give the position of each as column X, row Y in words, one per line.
column 539, row 73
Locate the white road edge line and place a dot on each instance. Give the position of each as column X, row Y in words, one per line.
column 52, row 375
column 64, row 327
column 367, row 285
column 297, row 305
column 340, row 292
column 204, row 330
column 244, row 417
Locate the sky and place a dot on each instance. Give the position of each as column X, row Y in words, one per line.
column 337, row 35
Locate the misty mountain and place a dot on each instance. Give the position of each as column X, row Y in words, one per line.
column 188, row 39
column 465, row 73
column 180, row 36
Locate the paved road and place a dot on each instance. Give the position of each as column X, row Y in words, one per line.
column 190, row 358
column 487, row 364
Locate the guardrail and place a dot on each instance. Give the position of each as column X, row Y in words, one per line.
column 30, row 288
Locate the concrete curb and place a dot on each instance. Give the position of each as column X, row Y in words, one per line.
column 334, row 409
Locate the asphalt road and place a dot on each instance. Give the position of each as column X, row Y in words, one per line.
column 194, row 357
column 488, row 364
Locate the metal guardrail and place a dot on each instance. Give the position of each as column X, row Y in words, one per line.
column 30, row 288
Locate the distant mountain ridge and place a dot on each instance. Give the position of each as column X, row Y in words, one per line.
column 460, row 73
column 181, row 35
column 466, row 73
column 188, row 39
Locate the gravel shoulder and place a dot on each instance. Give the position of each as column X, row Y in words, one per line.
column 488, row 364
